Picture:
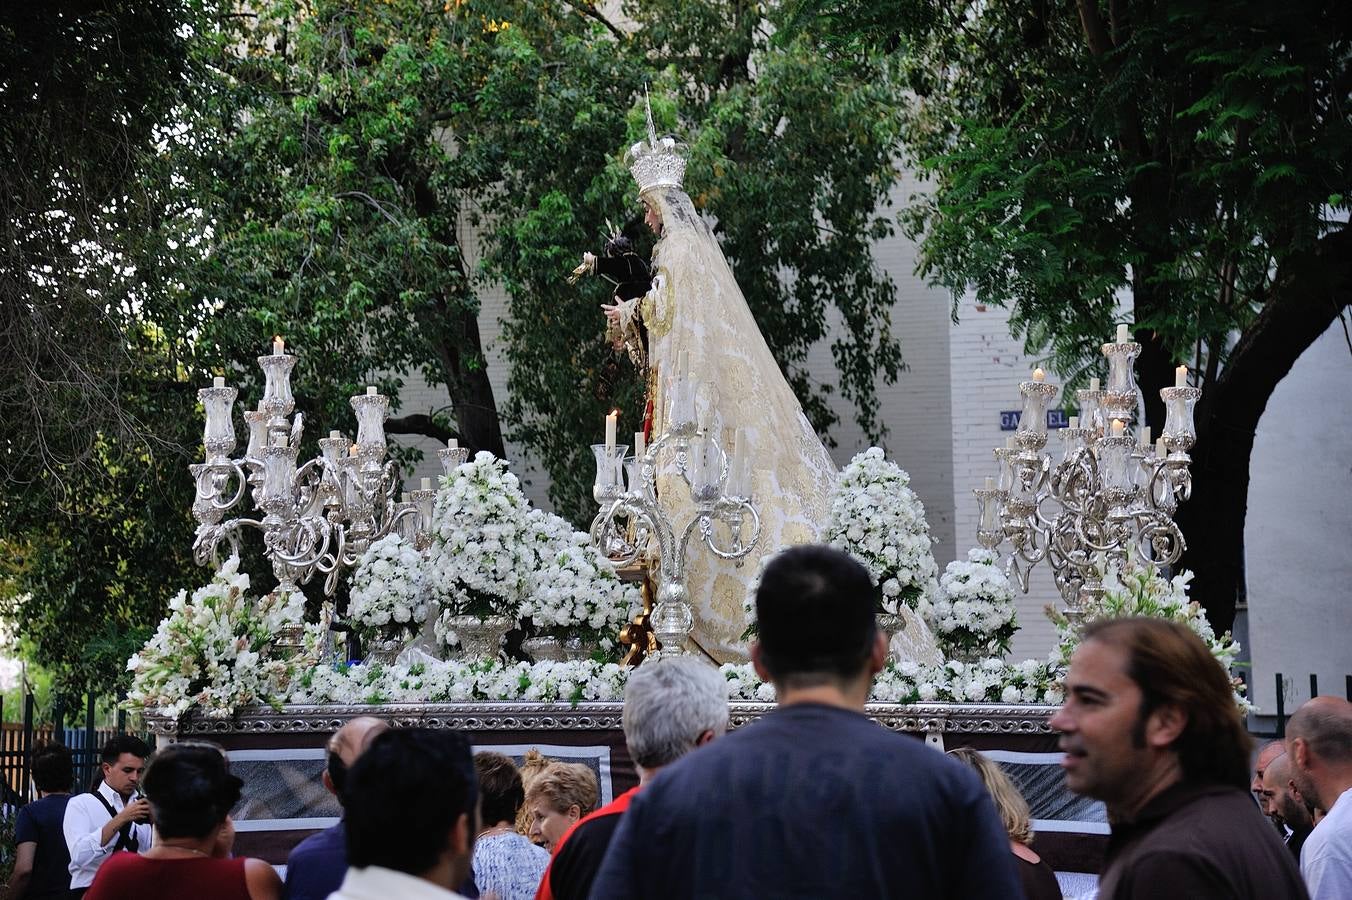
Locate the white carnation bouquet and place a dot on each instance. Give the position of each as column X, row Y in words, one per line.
column 973, row 611
column 1143, row 591
column 387, row 596
column 877, row 519
column 571, row 590
column 213, row 650
column 481, row 554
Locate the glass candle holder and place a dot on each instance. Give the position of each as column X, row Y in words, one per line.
column 706, row 469
column 1073, row 440
column 1116, row 467
column 1179, row 431
column 279, row 473
column 452, row 457
column 257, row 420
column 218, row 435
column 1037, row 395
column 371, row 410
column 681, row 408
column 425, row 502
column 277, row 397
column 609, row 483
column 1091, row 411
column 1120, row 399
column 1004, row 476
column 988, row 531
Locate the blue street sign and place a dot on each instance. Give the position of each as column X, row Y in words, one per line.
column 1056, row 418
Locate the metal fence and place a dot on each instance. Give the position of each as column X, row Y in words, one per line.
column 85, row 740
column 1314, row 692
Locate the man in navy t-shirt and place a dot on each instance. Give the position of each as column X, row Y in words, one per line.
column 42, row 862
column 813, row 799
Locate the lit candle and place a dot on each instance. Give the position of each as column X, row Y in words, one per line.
column 452, row 444
column 1118, row 427
column 370, row 390
column 1039, row 375
column 640, row 445
column 1074, row 421
column 1123, row 334
column 426, row 484
column 352, row 451
column 1181, row 376
column 278, row 345
column 990, row 483
column 1094, row 385
column 333, row 435
column 611, row 420
column 1160, row 450
column 1144, row 439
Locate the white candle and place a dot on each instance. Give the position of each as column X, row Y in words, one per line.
column 280, row 440
column 452, row 444
column 1118, row 427
column 990, row 483
column 1009, row 443
column 218, row 382
column 333, row 435
column 426, row 484
column 278, row 345
column 1123, row 334
column 1039, row 375
column 1094, row 385
column 1144, row 439
column 370, row 390
column 611, row 420
column 640, row 445
column 1160, row 450
column 1181, row 376
column 1074, row 421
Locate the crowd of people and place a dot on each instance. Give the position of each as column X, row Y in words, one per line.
column 810, row 800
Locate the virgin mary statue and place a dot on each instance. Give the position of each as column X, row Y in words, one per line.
column 695, row 312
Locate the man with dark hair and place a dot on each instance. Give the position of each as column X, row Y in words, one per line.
column 506, row 864
column 671, row 706
column 41, row 860
column 109, row 817
column 412, row 814
column 812, row 799
column 1150, row 727
column 316, row 865
column 1285, row 806
column 1319, row 742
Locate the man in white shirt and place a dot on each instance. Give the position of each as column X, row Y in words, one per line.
column 108, row 819
column 1319, row 743
column 411, row 810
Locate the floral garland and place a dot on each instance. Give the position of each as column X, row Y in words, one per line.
column 480, row 554
column 973, row 610
column 571, row 590
column 878, row 519
column 213, row 650
column 1142, row 591
column 387, row 596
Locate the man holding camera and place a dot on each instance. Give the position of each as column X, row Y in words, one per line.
column 112, row 817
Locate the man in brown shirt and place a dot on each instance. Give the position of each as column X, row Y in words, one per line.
column 1150, row 727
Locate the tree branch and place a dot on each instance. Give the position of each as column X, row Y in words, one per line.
column 419, row 423
column 1094, row 32
column 590, row 11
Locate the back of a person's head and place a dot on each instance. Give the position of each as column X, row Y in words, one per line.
column 405, row 795
column 1324, row 724
column 1172, row 666
column 190, row 789
column 1009, row 803
column 124, row 743
column 668, row 704
column 565, row 785
column 53, row 769
column 500, row 790
column 815, row 616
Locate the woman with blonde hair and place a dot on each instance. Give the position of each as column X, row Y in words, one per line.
column 1039, row 881
column 557, row 798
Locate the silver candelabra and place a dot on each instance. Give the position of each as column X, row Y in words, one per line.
column 631, row 520
column 316, row 518
column 1111, row 496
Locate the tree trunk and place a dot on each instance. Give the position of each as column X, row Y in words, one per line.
column 1311, row 290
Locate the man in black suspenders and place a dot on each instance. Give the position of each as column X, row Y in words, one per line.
column 111, row 817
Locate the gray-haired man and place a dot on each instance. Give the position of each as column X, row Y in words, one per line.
column 671, row 706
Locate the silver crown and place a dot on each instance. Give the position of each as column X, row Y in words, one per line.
column 656, row 162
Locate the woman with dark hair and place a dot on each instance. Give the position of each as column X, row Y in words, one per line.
column 505, row 863
column 191, row 793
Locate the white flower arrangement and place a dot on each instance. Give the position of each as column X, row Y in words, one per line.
column 481, row 552
column 1142, row 591
column 877, row 519
column 989, row 681
column 212, row 651
column 387, row 596
column 571, row 590
column 973, row 611
column 456, row 681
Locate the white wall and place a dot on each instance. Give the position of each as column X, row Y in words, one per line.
column 1298, row 531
